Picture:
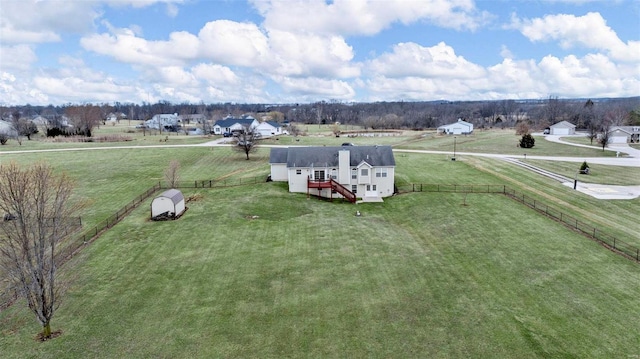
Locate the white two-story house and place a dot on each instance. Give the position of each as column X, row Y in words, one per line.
column 350, row 172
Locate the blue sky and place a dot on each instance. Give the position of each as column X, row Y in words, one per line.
column 298, row 51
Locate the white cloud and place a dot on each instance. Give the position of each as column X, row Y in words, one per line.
column 410, row 59
column 172, row 10
column 34, row 21
column 594, row 75
column 125, row 46
column 13, row 91
column 18, row 57
column 365, row 17
column 318, row 87
column 311, row 55
column 233, row 43
column 216, row 74
column 589, row 31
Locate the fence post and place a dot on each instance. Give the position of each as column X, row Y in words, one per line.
column 638, row 255
column 594, row 232
column 420, row 187
column 614, row 243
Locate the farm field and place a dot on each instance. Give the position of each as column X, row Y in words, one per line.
column 420, row 275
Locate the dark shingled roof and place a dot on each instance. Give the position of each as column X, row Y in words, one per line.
column 278, row 155
column 228, row 122
column 328, row 156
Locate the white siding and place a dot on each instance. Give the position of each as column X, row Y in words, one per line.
column 279, row 172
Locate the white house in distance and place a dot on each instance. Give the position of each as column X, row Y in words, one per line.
column 624, row 134
column 268, row 129
column 230, row 124
column 168, row 205
column 562, row 128
column 457, row 128
column 168, row 121
column 349, row 172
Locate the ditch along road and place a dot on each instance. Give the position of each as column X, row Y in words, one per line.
column 601, row 191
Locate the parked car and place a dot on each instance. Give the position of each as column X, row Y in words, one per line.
column 227, row 134
column 546, row 131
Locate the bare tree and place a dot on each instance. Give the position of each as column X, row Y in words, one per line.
column 171, row 174
column 604, row 136
column 84, row 118
column 554, row 109
column 38, row 218
column 247, row 141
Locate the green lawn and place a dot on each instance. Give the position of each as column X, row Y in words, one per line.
column 421, row 275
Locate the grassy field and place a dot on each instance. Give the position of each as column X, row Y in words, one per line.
column 421, row 275
column 487, row 141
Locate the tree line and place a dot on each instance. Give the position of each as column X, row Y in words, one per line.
column 587, row 114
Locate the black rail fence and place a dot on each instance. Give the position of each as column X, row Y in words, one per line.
column 8, row 294
column 220, row 182
column 611, row 242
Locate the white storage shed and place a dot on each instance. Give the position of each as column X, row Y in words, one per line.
column 170, row 204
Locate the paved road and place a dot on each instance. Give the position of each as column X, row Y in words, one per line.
column 622, row 148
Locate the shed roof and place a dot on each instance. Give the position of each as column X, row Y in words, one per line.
column 377, row 156
column 173, row 194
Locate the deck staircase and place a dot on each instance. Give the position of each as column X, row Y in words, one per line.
column 335, row 186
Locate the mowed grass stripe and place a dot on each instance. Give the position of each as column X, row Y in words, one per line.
column 420, row 275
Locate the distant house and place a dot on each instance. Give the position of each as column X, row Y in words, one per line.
column 624, row 134
column 115, row 117
column 269, row 128
column 562, row 128
column 230, row 124
column 165, row 121
column 195, row 118
column 168, row 205
column 39, row 120
column 350, row 172
column 457, row 128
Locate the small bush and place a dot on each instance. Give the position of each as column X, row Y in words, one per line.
column 527, row 141
column 584, row 168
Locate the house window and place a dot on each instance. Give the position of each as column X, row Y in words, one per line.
column 364, row 172
column 354, row 188
column 381, row 172
column 354, row 173
column 298, row 172
column 369, row 187
column 318, row 175
column 334, row 174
